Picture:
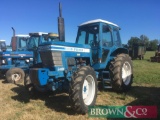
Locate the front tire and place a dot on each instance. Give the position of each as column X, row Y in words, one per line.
column 121, row 72
column 15, row 75
column 31, row 88
column 83, row 89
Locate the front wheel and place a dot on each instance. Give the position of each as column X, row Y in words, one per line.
column 15, row 75
column 121, row 73
column 83, row 89
column 31, row 88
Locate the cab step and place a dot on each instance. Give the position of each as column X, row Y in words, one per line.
column 106, row 79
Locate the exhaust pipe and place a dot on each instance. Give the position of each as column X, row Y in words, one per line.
column 61, row 30
column 14, row 33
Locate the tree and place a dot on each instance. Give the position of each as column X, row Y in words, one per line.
column 133, row 40
column 153, row 44
column 144, row 39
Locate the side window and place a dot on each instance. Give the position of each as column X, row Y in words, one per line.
column 82, row 38
column 90, row 39
column 36, row 42
column 116, row 34
column 106, row 36
column 42, row 39
column 22, row 43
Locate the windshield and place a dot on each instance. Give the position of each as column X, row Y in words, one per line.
column 23, row 42
column 88, row 35
column 33, row 42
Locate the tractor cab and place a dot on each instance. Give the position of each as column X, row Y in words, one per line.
column 19, row 42
column 38, row 38
column 104, row 39
column 3, row 45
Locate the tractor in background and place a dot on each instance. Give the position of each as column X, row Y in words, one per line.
column 12, row 62
column 97, row 55
column 25, row 57
column 156, row 58
column 137, row 51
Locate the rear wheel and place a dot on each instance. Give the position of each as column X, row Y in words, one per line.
column 83, row 89
column 15, row 75
column 121, row 72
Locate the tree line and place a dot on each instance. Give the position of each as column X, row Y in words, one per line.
column 143, row 39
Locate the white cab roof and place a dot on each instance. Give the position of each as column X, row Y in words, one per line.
column 2, row 40
column 20, row 35
column 98, row 20
column 38, row 33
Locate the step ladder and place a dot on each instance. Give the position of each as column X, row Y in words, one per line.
column 106, row 79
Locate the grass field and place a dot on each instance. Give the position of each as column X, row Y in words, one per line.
column 16, row 104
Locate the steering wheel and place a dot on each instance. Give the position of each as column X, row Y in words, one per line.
column 91, row 42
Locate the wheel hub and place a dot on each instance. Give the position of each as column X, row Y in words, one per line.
column 16, row 77
column 126, row 73
column 88, row 90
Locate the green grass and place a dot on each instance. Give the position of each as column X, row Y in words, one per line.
column 146, row 72
column 16, row 104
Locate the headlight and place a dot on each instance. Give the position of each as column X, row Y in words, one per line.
column 31, row 59
column 3, row 61
column 27, row 60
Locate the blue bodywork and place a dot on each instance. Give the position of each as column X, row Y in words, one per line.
column 24, row 54
column 20, row 59
column 18, row 56
column 61, row 59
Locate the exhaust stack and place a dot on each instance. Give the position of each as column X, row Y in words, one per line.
column 14, row 33
column 14, row 41
column 61, row 30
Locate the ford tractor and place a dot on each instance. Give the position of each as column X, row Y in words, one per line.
column 12, row 62
column 25, row 57
column 16, row 63
column 97, row 55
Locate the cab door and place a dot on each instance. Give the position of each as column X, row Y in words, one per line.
column 107, row 41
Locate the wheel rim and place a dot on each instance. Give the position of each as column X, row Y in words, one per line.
column 126, row 73
column 16, row 77
column 88, row 90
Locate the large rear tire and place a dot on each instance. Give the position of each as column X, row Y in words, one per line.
column 15, row 75
column 83, row 89
column 121, row 73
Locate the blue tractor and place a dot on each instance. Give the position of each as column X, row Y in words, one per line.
column 15, row 61
column 97, row 55
column 24, row 57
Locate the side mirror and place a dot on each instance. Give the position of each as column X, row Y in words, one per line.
column 14, row 43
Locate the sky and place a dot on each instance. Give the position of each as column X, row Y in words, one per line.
column 135, row 17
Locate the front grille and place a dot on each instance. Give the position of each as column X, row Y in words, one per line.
column 51, row 58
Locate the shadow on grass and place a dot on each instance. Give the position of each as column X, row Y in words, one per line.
column 146, row 96
column 56, row 102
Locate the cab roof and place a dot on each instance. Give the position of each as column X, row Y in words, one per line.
column 98, row 20
column 20, row 35
column 2, row 40
column 38, row 33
